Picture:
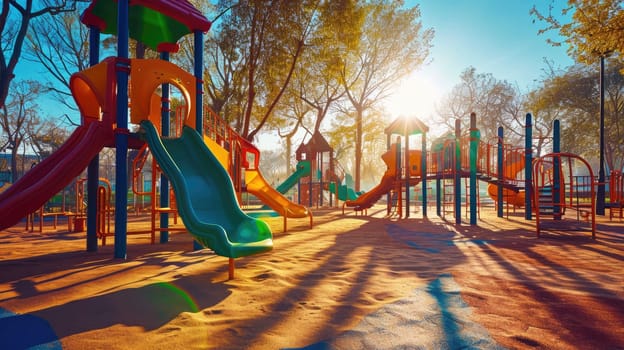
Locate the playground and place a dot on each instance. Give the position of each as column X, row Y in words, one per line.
column 424, row 259
column 350, row 282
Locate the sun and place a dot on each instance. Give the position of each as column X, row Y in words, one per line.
column 416, row 96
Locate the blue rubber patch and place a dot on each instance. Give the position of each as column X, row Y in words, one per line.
column 26, row 332
column 433, row 317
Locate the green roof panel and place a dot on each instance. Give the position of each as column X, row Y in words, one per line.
column 153, row 23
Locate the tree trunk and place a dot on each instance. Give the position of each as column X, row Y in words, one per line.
column 358, row 148
column 14, row 173
column 288, row 153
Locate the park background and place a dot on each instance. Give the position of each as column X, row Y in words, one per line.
column 561, row 291
column 450, row 58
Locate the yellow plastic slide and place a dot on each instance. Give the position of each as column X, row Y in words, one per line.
column 258, row 186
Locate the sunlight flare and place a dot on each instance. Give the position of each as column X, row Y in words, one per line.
column 415, row 96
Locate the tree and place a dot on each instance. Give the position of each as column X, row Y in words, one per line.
column 374, row 145
column 18, row 116
column 60, row 45
column 544, row 113
column 15, row 18
column 45, row 137
column 264, row 39
column 496, row 103
column 594, row 28
column 318, row 79
column 224, row 74
column 539, row 102
column 393, row 43
column 294, row 112
column 341, row 137
column 320, row 91
column 573, row 96
column 273, row 173
column 316, row 82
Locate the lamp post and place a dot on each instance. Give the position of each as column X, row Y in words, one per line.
column 600, row 196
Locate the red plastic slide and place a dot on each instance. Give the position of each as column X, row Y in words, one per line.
column 368, row 198
column 49, row 177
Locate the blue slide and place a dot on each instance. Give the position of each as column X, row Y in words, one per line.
column 205, row 195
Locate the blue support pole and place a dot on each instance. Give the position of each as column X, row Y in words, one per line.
column 388, row 196
column 474, row 147
column 556, row 171
column 438, row 196
column 398, row 157
column 439, row 166
column 423, row 171
column 164, row 182
column 407, row 176
column 320, row 176
column 198, row 71
column 93, row 170
column 499, row 170
column 332, row 171
column 122, row 69
column 600, row 195
column 199, row 84
column 310, row 184
column 457, row 180
column 398, row 167
column 528, row 167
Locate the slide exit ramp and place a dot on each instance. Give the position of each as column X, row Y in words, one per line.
column 205, row 195
column 259, row 187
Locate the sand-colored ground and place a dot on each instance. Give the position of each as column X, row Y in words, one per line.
column 350, row 282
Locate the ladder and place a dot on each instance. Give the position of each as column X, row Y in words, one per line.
column 394, row 203
column 448, row 194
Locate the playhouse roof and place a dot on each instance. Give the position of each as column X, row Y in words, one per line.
column 159, row 24
column 316, row 144
column 409, row 126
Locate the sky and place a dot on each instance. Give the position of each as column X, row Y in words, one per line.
column 493, row 36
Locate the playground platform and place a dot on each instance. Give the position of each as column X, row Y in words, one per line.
column 350, row 282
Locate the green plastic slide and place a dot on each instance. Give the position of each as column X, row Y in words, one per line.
column 205, row 195
column 344, row 192
column 303, row 170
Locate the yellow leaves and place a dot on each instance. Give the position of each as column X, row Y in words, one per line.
column 595, row 28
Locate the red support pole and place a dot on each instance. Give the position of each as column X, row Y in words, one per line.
column 231, row 269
